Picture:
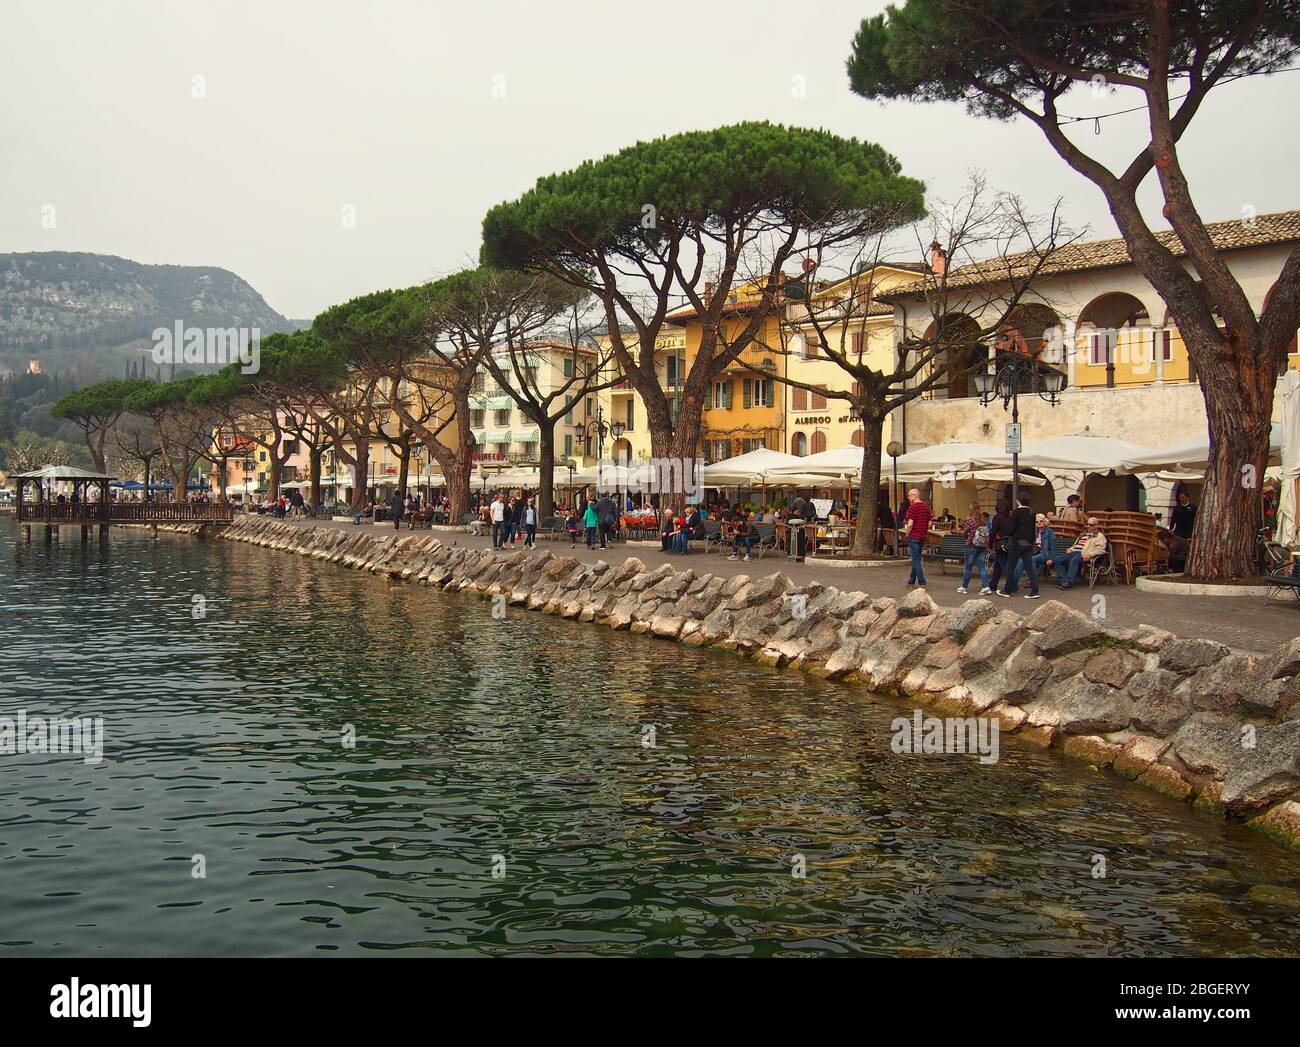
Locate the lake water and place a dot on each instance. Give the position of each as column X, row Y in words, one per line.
column 499, row 797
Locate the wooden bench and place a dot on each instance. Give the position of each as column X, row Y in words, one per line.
column 950, row 547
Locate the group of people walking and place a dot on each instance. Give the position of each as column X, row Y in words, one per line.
column 1016, row 542
column 513, row 519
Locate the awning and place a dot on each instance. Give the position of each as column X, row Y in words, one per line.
column 499, row 436
column 1081, row 453
column 749, row 469
column 480, row 435
column 63, row 472
column 500, row 403
column 951, row 457
column 839, row 463
column 1189, row 455
column 529, row 435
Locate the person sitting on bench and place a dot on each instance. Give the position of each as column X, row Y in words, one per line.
column 1091, row 543
column 746, row 532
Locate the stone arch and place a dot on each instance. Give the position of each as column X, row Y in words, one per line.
column 1033, row 330
column 799, row 444
column 818, row 441
column 959, row 348
column 1117, row 327
column 622, row 451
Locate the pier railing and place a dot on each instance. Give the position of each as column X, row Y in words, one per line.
column 88, row 513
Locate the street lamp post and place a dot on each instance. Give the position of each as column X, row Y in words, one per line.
column 894, row 449
column 1012, row 371
column 599, row 428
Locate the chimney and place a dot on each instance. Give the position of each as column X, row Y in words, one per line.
column 938, row 259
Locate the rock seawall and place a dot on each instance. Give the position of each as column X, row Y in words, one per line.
column 1189, row 718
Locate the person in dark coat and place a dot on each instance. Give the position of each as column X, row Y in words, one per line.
column 1020, row 549
column 607, row 515
column 395, row 507
column 999, row 539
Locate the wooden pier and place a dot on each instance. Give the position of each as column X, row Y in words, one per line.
column 56, row 512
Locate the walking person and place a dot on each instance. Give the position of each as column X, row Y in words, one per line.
column 591, row 520
column 916, row 527
column 976, row 534
column 530, row 525
column 999, row 529
column 607, row 515
column 571, row 524
column 497, row 514
column 511, row 521
column 1020, row 550
column 395, row 507
column 517, row 528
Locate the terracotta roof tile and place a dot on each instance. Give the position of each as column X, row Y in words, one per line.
column 1279, row 228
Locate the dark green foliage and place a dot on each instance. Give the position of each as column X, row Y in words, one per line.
column 696, row 182
column 995, row 53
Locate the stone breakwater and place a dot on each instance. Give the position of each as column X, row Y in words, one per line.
column 1189, row 718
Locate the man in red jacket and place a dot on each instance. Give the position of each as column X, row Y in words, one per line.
column 916, row 525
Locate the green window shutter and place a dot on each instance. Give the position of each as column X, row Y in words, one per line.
column 568, row 446
column 568, row 367
column 747, row 398
column 769, row 388
column 726, row 394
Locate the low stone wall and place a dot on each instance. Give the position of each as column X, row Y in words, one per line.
column 1189, row 718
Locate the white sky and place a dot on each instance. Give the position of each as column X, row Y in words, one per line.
column 388, row 107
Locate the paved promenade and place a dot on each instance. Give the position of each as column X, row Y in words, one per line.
column 1244, row 622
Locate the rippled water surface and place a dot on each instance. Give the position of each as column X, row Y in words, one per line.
column 519, row 742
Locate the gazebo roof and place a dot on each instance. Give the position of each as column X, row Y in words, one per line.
column 63, row 472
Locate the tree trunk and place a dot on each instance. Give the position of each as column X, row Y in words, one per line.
column 277, row 470
column 681, row 444
column 97, row 448
column 864, row 541
column 361, row 474
column 404, row 469
column 1223, row 541
column 546, row 472
column 314, row 458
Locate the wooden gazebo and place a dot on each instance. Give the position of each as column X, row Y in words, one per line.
column 56, row 510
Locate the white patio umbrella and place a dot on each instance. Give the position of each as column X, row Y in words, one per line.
column 836, row 464
column 748, row 469
column 991, row 476
column 952, row 457
column 1081, row 453
column 1289, row 438
column 1192, row 455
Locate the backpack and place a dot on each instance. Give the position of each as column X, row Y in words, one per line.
column 980, row 539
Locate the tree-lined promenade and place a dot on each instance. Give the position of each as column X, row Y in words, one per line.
column 595, row 260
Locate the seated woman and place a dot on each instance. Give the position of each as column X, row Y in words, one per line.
column 681, row 536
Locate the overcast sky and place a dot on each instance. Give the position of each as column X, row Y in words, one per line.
column 391, row 108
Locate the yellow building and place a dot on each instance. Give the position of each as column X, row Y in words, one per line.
column 621, row 403
column 854, row 324
column 744, row 409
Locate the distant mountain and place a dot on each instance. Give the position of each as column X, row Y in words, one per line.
column 95, row 313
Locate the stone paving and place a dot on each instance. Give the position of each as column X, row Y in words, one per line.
column 1247, row 623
